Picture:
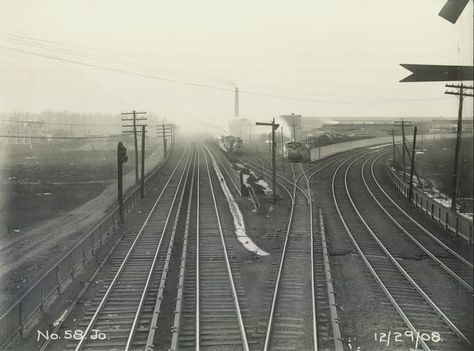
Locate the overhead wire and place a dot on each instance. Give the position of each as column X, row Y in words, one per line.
column 33, row 43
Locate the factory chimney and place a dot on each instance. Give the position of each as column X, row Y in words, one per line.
column 236, row 108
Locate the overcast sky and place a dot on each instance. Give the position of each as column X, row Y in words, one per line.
column 314, row 57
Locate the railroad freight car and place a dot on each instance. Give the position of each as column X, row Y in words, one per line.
column 297, row 152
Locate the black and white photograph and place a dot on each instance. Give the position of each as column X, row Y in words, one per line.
column 236, row 175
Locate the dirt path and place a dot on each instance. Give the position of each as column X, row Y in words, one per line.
column 24, row 256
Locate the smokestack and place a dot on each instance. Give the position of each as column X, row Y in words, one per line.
column 236, row 108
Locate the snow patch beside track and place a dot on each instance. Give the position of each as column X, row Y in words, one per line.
column 239, row 223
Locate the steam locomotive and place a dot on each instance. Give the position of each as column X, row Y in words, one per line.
column 297, row 152
column 232, row 144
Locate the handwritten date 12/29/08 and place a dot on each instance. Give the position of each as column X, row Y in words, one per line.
column 417, row 336
column 70, row 334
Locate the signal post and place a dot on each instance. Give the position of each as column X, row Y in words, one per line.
column 274, row 128
column 121, row 159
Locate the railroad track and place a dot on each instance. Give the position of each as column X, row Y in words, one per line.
column 292, row 320
column 126, row 303
column 302, row 313
column 413, row 310
column 209, row 315
column 458, row 267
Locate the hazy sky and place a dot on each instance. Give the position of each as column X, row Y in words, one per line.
column 318, row 58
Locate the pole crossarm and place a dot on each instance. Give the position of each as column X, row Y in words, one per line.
column 459, row 86
column 133, row 113
column 458, row 93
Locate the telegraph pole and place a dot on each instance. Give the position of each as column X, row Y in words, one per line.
column 393, row 145
column 166, row 130
column 164, row 140
column 412, row 169
column 134, row 126
column 274, row 127
column 461, row 92
column 142, row 185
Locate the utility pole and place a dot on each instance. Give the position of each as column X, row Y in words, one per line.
column 164, row 140
column 142, row 187
column 393, row 145
column 121, row 159
column 412, row 169
column 134, row 126
column 173, row 134
column 461, row 92
column 403, row 151
column 274, row 127
column 416, row 173
column 166, row 130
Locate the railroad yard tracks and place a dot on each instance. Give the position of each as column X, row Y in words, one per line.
column 292, row 321
column 416, row 310
column 125, row 312
column 125, row 305
column 453, row 263
column 420, row 314
column 302, row 314
column 182, row 256
column 210, row 314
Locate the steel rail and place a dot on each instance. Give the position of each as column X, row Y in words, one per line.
column 86, row 286
column 427, row 232
column 436, row 309
column 280, row 269
column 164, row 275
column 182, row 269
column 23, row 295
column 313, row 292
column 367, row 263
column 216, row 153
column 277, row 283
column 198, row 256
column 330, row 288
column 420, row 245
column 122, row 265
column 226, row 256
